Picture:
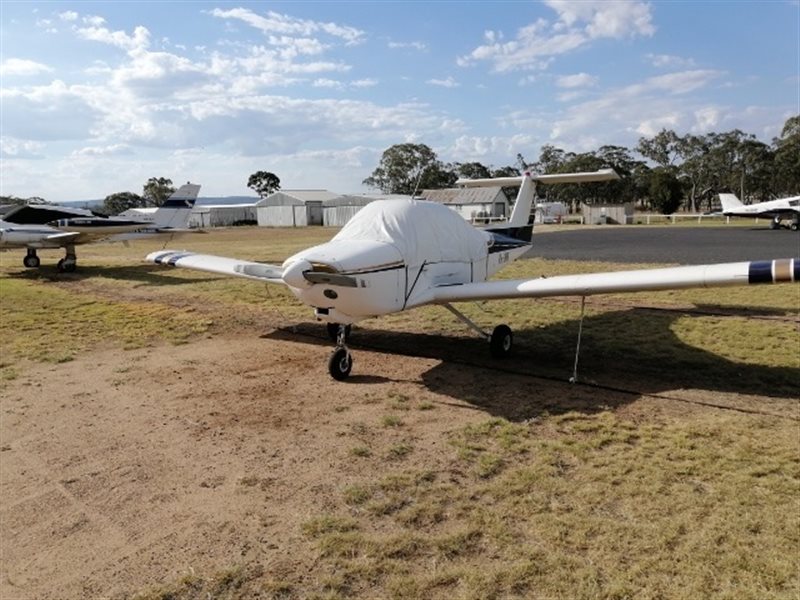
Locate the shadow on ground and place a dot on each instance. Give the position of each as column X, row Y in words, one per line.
column 627, row 350
column 149, row 274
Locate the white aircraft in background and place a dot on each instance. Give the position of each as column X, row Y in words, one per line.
column 783, row 208
column 395, row 255
column 41, row 226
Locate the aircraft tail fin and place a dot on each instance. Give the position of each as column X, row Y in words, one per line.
column 175, row 212
column 729, row 202
column 521, row 213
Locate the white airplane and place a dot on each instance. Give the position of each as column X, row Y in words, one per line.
column 38, row 227
column 395, row 255
column 777, row 210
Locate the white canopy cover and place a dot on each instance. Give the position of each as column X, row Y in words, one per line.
column 421, row 231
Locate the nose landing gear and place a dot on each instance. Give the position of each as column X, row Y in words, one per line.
column 341, row 361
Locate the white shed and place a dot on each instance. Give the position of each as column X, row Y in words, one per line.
column 472, row 203
column 222, row 215
column 292, row 208
column 601, row 214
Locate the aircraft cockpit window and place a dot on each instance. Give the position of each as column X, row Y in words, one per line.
column 794, row 202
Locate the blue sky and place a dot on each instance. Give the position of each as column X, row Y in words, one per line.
column 99, row 96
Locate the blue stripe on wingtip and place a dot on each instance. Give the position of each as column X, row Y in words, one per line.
column 760, row 272
column 796, row 269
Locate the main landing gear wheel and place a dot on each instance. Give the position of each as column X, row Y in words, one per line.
column 31, row 261
column 66, row 266
column 501, row 341
column 794, row 226
column 340, row 364
column 333, row 331
column 775, row 224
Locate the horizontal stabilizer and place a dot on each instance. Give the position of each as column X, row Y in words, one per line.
column 584, row 177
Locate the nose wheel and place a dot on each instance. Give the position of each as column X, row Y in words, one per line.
column 341, row 361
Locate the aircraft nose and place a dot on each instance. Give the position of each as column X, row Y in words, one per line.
column 293, row 274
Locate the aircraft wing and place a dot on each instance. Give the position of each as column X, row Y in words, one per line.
column 217, row 264
column 39, row 214
column 64, row 238
column 719, row 275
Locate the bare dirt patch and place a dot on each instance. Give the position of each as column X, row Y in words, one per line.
column 124, row 470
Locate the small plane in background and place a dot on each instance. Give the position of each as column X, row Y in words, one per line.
column 395, row 255
column 41, row 226
column 777, row 210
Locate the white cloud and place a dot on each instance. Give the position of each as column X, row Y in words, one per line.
column 578, row 24
column 12, row 148
column 576, row 81
column 103, row 151
column 364, row 83
column 292, row 47
column 68, row 15
column 447, row 83
column 140, row 38
column 276, row 23
column 94, row 20
column 606, row 18
column 479, row 148
column 328, row 83
column 638, row 109
column 669, row 61
column 420, row 46
column 22, row 66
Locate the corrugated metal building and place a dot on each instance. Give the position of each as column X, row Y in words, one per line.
column 292, row 208
column 222, row 215
column 473, row 204
column 337, row 212
column 600, row 214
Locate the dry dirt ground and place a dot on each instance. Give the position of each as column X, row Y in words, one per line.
column 123, row 470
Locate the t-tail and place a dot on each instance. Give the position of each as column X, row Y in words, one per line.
column 176, row 210
column 518, row 226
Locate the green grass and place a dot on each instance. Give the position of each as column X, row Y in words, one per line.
column 42, row 322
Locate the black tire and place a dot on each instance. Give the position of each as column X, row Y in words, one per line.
column 501, row 342
column 794, row 226
column 340, row 364
column 31, row 262
column 333, row 331
column 65, row 266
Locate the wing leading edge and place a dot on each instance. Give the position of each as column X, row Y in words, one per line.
column 719, row 275
column 217, row 264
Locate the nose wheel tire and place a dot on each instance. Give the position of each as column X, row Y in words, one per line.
column 340, row 364
column 501, row 342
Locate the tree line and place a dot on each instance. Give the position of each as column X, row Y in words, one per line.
column 669, row 173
